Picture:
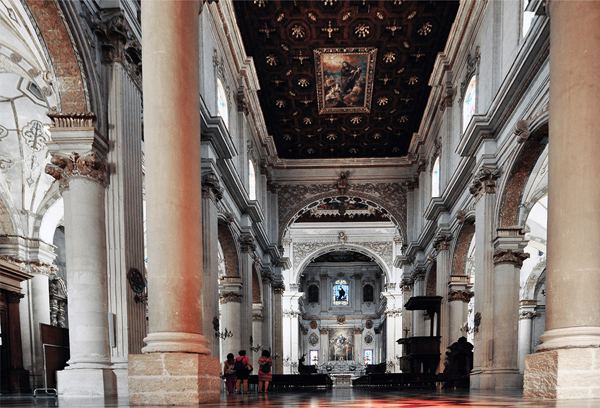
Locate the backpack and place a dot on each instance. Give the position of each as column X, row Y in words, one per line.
column 239, row 364
column 266, row 368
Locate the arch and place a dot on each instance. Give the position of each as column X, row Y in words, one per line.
column 397, row 218
column 8, row 221
column 230, row 249
column 461, row 250
column 431, row 287
column 524, row 163
column 337, row 247
column 57, row 37
column 532, row 284
column 50, row 217
column 256, row 292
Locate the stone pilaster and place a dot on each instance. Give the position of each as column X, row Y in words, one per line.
column 176, row 368
column 212, row 193
column 564, row 367
column 484, row 190
column 419, row 328
column 443, row 267
column 278, row 289
column 248, row 246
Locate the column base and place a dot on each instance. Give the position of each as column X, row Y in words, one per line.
column 86, row 382
column 122, row 380
column 494, row 379
column 563, row 374
column 173, row 379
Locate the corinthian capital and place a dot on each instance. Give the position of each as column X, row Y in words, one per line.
column 508, row 256
column 247, row 243
column 211, row 186
column 484, row 182
column 442, row 241
column 64, row 167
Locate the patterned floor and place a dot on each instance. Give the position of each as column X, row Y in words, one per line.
column 336, row 398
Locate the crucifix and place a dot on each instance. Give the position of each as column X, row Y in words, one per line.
column 406, row 330
column 418, row 55
column 300, row 58
column 330, row 30
column 267, row 31
column 393, row 28
column 385, row 80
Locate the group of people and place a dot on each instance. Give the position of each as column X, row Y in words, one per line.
column 236, row 372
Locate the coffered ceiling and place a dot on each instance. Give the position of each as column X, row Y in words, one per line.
column 344, row 79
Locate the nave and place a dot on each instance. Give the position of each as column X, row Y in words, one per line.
column 338, row 398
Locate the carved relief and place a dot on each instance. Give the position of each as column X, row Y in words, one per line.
column 442, row 241
column 484, row 182
column 527, row 315
column 462, row 295
column 247, row 243
column 472, row 65
column 521, row 131
column 64, row 167
column 324, row 331
column 508, row 256
column 58, row 302
column 211, row 185
column 230, row 297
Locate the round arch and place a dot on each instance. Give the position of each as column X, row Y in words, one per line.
column 395, row 216
column 230, row 249
column 337, row 247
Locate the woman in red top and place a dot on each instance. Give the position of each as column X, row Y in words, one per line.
column 265, row 370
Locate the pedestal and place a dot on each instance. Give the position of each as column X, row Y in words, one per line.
column 173, row 379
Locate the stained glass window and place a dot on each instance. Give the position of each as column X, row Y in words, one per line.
column 469, row 102
column 340, row 293
column 435, row 178
column 313, row 357
column 222, row 103
column 368, row 356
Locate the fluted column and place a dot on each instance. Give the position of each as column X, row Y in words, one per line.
column 175, row 343
column 82, row 179
column 526, row 314
column 571, row 342
column 212, row 193
column 484, row 190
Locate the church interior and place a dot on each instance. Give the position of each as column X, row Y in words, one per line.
column 384, row 195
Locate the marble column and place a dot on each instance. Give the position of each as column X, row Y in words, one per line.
column 419, row 326
column 526, row 314
column 212, row 193
column 507, row 268
column 571, row 343
column 176, row 368
column 82, row 179
column 443, row 267
column 484, row 190
column 458, row 303
column 278, row 289
column 231, row 307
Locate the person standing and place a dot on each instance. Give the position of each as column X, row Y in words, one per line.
column 229, row 373
column 264, row 372
column 242, row 371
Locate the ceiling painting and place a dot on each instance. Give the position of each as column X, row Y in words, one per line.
column 344, row 79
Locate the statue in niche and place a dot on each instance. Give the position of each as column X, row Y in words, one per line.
column 342, row 184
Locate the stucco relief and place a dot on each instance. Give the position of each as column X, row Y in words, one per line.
column 302, row 250
column 391, row 197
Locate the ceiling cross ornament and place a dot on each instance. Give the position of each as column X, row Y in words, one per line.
column 267, row 31
column 391, row 31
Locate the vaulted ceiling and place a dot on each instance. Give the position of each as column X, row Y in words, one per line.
column 344, row 79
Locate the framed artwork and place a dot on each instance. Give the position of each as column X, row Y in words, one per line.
column 313, row 339
column 341, row 344
column 368, row 338
column 313, row 357
column 344, row 79
column 368, row 357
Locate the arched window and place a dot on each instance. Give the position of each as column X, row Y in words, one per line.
column 313, row 294
column 251, row 181
column 368, row 293
column 340, row 293
column 222, row 103
column 469, row 102
column 527, row 18
column 435, row 178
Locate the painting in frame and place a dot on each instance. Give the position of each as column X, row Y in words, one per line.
column 344, row 79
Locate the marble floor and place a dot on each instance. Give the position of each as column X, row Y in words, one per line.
column 335, row 398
